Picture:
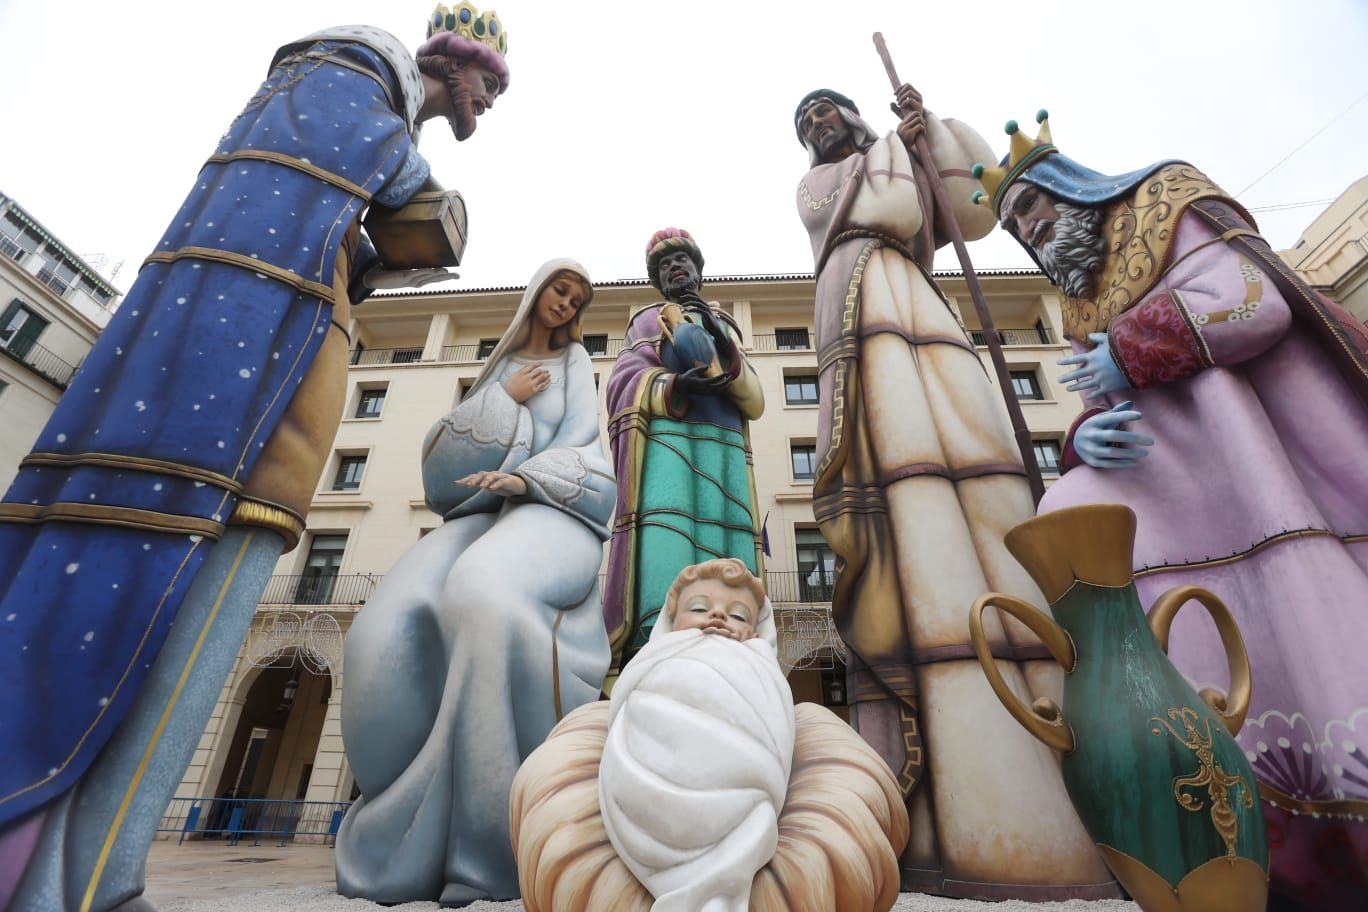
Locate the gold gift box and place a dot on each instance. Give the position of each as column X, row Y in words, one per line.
column 430, row 230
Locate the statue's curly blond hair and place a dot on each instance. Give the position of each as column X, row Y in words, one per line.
column 842, row 828
column 729, row 570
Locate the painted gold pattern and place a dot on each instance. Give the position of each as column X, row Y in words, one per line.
column 1140, row 230
column 1209, row 773
column 1089, row 544
column 1218, row 885
column 815, row 204
column 252, row 512
column 227, row 257
column 849, row 319
column 97, row 514
column 911, row 771
column 132, row 463
column 298, row 164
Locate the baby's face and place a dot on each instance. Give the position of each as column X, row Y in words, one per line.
column 714, row 607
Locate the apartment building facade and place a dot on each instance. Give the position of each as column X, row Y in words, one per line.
column 276, row 730
column 53, row 306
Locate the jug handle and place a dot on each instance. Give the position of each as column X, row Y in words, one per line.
column 1230, row 708
column 1043, row 719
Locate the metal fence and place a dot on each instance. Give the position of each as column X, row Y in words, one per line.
column 44, row 363
column 320, row 589
column 1041, row 335
column 234, row 818
column 795, row 586
column 781, row 342
column 369, row 357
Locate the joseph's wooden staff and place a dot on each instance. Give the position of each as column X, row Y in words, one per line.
column 1023, row 434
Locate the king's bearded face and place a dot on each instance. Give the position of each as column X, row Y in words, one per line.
column 470, row 90
column 678, row 275
column 1067, row 239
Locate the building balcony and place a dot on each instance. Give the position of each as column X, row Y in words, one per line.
column 772, row 343
column 793, row 587
column 42, row 362
column 471, row 353
column 1037, row 336
column 326, row 589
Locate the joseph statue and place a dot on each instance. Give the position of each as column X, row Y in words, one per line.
column 919, row 480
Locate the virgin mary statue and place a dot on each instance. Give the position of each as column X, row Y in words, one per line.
column 490, row 628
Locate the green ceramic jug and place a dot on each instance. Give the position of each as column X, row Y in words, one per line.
column 1151, row 767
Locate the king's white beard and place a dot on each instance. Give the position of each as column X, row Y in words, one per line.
column 1075, row 255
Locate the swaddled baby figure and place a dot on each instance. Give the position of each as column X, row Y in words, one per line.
column 700, row 744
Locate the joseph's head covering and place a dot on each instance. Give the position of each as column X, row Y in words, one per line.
column 811, row 98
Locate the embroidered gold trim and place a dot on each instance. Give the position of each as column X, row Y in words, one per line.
column 252, row 512
column 315, row 289
column 1140, row 231
column 133, row 463
column 298, row 164
column 1209, row 773
column 97, row 514
column 849, row 321
column 828, row 199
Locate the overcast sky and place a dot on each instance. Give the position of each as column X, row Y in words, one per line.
column 627, row 117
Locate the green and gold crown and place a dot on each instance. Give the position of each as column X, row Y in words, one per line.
column 465, row 20
column 1023, row 154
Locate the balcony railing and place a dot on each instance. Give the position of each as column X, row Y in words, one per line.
column 51, row 279
column 320, row 589
column 12, row 249
column 367, row 357
column 768, row 343
column 1040, row 335
column 794, row 586
column 44, row 363
column 453, row 354
column 610, row 350
column 786, row 586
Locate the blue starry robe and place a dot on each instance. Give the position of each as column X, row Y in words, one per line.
column 139, row 468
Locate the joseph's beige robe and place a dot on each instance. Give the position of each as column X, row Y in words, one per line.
column 919, row 481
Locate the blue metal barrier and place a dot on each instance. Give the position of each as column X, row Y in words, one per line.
column 256, row 817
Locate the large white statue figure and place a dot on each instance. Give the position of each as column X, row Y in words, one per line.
column 489, row 629
column 700, row 745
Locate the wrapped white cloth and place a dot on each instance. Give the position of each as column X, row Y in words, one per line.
column 696, row 765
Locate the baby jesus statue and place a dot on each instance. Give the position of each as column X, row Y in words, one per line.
column 699, row 750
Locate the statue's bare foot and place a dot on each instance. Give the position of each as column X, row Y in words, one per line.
column 457, row 895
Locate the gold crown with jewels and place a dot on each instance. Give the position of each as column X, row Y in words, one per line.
column 468, row 22
column 1024, row 153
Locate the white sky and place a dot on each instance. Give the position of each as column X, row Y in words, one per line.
column 625, row 117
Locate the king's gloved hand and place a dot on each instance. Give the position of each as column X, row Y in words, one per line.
column 1102, row 444
column 1096, row 371
column 693, row 383
column 378, row 277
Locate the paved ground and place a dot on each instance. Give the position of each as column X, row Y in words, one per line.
column 209, row 876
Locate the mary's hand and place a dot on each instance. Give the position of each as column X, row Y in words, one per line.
column 504, row 483
column 527, row 381
column 1097, row 372
column 1102, row 444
